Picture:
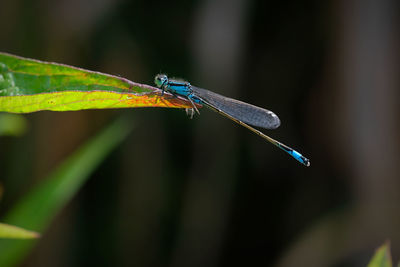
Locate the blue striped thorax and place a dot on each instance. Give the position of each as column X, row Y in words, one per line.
column 175, row 87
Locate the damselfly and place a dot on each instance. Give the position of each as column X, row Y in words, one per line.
column 238, row 111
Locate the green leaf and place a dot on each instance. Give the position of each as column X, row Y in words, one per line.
column 12, row 124
column 382, row 257
column 28, row 85
column 10, row 231
column 37, row 209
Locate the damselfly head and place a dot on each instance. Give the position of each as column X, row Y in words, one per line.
column 160, row 80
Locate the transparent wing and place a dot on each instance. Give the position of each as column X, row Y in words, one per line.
column 247, row 113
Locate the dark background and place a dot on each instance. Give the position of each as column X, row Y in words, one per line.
column 206, row 192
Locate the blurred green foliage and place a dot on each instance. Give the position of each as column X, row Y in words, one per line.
column 12, row 125
column 13, row 232
column 39, row 206
column 382, row 257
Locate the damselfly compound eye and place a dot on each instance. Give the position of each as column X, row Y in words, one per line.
column 160, row 79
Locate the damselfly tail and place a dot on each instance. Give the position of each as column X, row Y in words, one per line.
column 303, row 160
